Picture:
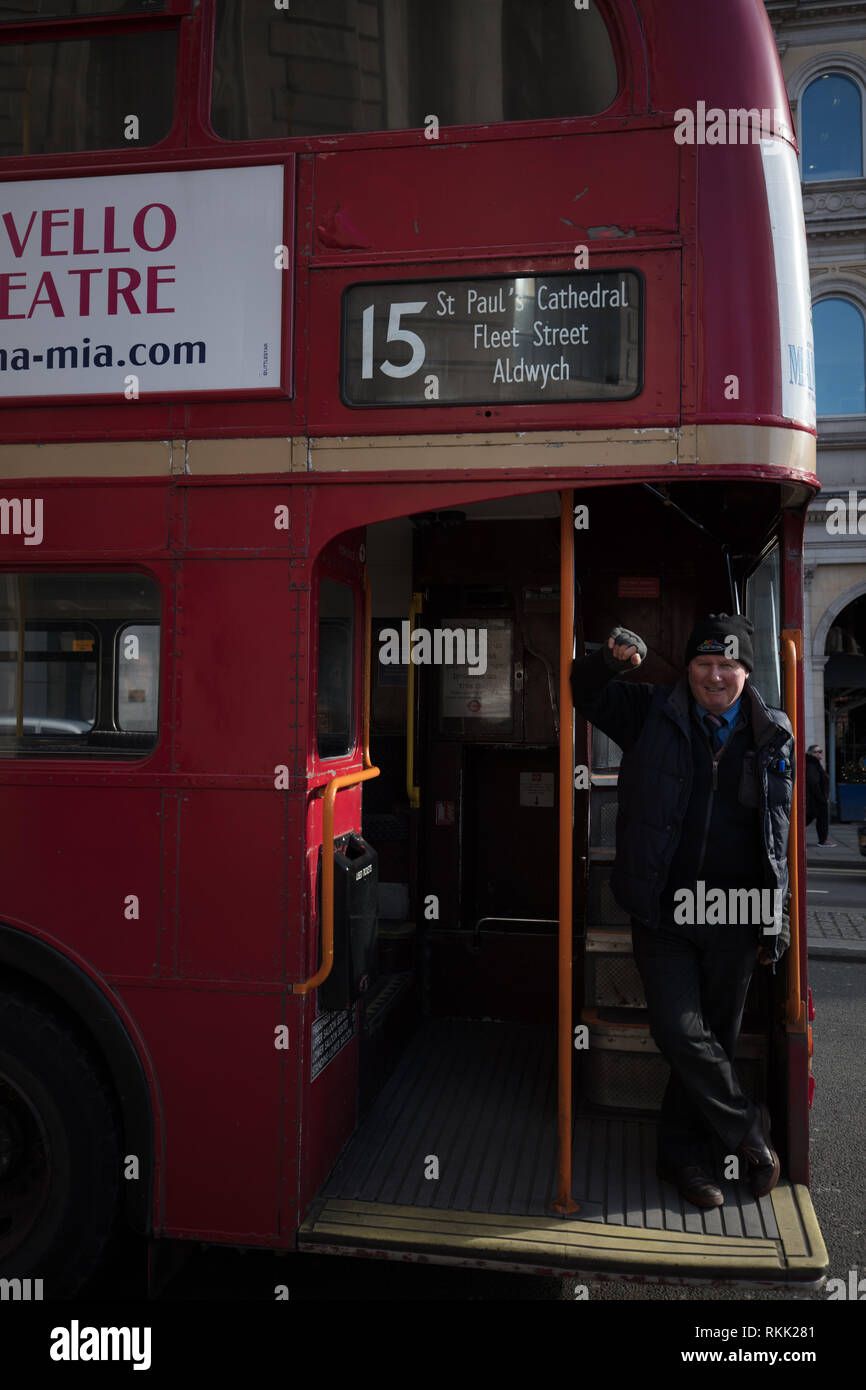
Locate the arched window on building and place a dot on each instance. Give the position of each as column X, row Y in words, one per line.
column 831, row 129
column 840, row 357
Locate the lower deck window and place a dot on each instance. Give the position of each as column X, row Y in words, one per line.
column 79, row 665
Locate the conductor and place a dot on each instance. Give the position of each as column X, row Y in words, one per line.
column 705, row 790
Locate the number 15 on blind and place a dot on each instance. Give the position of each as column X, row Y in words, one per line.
column 395, row 334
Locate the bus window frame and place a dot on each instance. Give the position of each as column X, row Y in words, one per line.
column 84, row 21
column 319, row 762
column 104, row 27
column 191, row 129
column 632, row 97
column 182, row 17
column 81, row 759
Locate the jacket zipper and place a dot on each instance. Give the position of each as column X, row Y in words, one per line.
column 709, row 816
column 709, row 805
column 714, row 788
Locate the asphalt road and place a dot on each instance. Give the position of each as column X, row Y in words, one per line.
column 845, row 888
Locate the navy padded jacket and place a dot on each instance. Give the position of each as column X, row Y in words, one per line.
column 651, row 724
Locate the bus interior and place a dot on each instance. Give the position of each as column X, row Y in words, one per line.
column 457, row 1100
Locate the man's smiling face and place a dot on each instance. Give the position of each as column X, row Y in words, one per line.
column 716, row 682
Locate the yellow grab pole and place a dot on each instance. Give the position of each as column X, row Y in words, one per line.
column 564, row 1202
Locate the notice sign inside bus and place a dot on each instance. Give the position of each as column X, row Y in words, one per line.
column 529, row 338
column 140, row 285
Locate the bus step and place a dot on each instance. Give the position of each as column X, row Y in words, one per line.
column 578, row 1247
column 610, row 974
column 612, row 979
column 622, row 1069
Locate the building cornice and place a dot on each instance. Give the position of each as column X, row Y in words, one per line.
column 841, row 434
column 799, row 12
column 816, row 22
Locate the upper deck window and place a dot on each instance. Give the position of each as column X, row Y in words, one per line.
column 79, row 94
column 832, row 129
column 323, row 67
column 21, row 11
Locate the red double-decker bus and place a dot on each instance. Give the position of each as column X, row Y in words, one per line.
column 361, row 363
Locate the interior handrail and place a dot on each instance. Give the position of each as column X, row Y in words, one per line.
column 795, row 1011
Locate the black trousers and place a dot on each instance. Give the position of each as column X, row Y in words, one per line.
column 819, row 812
column 695, row 979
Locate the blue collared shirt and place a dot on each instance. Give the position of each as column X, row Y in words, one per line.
column 729, row 718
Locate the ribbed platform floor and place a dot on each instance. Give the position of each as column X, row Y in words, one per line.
column 480, row 1098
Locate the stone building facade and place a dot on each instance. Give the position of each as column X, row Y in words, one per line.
column 822, row 46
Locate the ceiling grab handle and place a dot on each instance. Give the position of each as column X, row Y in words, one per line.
column 564, row 1202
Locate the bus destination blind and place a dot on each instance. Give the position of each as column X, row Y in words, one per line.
column 514, row 340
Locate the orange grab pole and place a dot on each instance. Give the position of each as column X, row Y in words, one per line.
column 368, row 665
column 564, row 1202
column 336, row 784
column 796, row 1010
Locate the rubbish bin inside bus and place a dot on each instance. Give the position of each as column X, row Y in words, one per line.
column 356, row 881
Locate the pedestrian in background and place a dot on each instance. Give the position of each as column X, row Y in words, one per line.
column 818, row 796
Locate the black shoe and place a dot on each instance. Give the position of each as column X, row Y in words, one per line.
column 692, row 1183
column 761, row 1160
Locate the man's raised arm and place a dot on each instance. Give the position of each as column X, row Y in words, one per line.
column 617, row 707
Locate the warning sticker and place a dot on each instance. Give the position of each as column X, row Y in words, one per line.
column 536, row 788
column 469, row 694
column 637, row 586
column 330, row 1033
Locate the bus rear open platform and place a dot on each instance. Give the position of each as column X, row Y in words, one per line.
column 475, row 1102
